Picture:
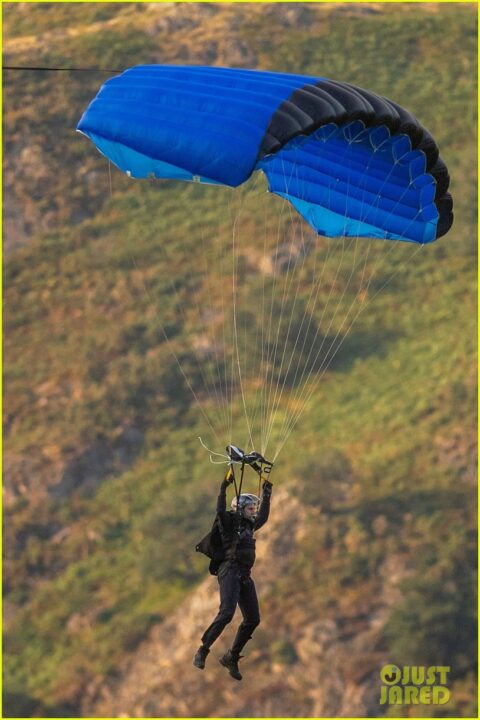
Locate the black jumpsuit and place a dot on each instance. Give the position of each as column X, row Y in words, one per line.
column 235, row 581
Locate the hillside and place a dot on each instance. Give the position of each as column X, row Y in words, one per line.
column 106, row 487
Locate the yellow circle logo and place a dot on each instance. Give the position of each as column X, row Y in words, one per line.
column 390, row 674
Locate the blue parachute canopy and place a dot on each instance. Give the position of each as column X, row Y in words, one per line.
column 351, row 162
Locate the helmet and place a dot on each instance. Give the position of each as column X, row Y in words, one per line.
column 245, row 499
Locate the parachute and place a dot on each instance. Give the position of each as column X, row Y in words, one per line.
column 351, row 163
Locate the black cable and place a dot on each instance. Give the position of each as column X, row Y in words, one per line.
column 57, row 69
column 241, row 483
column 237, row 494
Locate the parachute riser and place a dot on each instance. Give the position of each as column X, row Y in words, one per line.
column 256, row 461
column 239, row 490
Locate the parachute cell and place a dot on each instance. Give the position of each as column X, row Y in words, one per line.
column 351, row 162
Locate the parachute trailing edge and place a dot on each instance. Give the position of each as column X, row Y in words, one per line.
column 351, row 162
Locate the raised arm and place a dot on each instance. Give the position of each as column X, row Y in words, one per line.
column 222, row 495
column 264, row 511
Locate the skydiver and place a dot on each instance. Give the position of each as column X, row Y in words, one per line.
column 236, row 535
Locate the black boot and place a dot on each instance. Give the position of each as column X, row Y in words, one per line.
column 200, row 657
column 230, row 661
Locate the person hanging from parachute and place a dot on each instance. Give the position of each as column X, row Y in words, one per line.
column 231, row 548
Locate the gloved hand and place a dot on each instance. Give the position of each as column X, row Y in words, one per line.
column 267, row 488
column 229, row 477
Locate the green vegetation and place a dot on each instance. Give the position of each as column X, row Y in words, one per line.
column 108, row 488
